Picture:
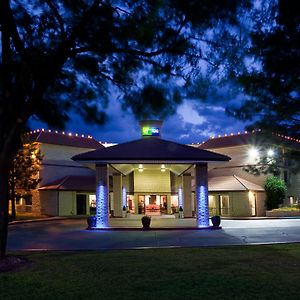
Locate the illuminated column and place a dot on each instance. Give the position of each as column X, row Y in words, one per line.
column 102, row 196
column 117, row 190
column 202, row 195
column 187, row 195
column 124, row 196
column 180, row 197
column 169, row 208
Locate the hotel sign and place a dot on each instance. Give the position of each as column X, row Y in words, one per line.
column 150, row 131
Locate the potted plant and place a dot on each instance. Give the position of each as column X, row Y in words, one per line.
column 216, row 221
column 91, row 221
column 146, row 220
column 124, row 212
column 180, row 212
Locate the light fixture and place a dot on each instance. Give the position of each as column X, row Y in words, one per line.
column 163, row 168
column 253, row 153
column 141, row 168
column 270, row 153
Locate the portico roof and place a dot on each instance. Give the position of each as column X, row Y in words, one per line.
column 150, row 150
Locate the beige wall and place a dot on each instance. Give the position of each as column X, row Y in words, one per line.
column 152, row 181
column 239, row 204
column 260, row 204
column 67, row 203
column 49, row 202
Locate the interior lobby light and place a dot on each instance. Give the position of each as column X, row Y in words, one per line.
column 141, row 168
column 163, row 168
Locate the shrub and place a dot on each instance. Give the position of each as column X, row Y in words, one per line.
column 275, row 192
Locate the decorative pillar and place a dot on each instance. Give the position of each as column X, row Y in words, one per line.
column 180, row 197
column 187, row 195
column 102, row 189
column 124, row 196
column 169, row 208
column 202, row 195
column 117, row 191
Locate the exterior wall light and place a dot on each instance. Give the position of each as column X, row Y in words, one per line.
column 163, row 168
column 253, row 154
column 141, row 168
column 270, row 153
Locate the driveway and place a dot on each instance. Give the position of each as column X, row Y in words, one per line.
column 70, row 234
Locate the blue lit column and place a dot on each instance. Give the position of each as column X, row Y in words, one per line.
column 102, row 195
column 202, row 195
column 124, row 196
column 180, row 197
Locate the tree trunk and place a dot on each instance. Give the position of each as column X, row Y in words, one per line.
column 13, row 202
column 4, row 199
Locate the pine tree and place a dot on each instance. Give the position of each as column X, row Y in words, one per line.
column 24, row 173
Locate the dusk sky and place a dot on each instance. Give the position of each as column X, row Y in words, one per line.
column 194, row 122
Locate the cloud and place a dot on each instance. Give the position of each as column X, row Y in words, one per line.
column 189, row 114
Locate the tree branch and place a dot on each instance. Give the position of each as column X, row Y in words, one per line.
column 58, row 18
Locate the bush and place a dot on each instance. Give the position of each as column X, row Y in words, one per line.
column 275, row 192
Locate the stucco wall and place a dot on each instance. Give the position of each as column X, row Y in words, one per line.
column 49, row 202
column 152, row 181
column 260, row 204
column 67, row 203
column 239, row 204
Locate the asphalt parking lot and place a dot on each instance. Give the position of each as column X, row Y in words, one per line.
column 71, row 234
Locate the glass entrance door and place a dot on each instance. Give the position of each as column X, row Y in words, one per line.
column 224, row 205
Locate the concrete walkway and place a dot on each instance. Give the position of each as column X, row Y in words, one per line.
column 70, row 234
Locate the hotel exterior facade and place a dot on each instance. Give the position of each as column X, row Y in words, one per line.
column 148, row 176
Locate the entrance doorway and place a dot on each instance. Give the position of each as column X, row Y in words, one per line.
column 224, row 205
column 153, row 204
column 81, row 204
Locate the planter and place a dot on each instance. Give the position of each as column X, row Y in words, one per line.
column 216, row 221
column 146, row 220
column 91, row 221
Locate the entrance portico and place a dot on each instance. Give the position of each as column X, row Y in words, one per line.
column 154, row 174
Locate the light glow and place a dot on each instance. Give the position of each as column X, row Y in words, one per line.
column 202, row 203
column 124, row 196
column 253, row 153
column 180, row 197
column 163, row 168
column 101, row 206
column 141, row 168
column 270, row 153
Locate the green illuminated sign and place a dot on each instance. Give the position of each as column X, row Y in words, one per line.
column 150, row 131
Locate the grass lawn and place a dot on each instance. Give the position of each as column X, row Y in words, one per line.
column 249, row 272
